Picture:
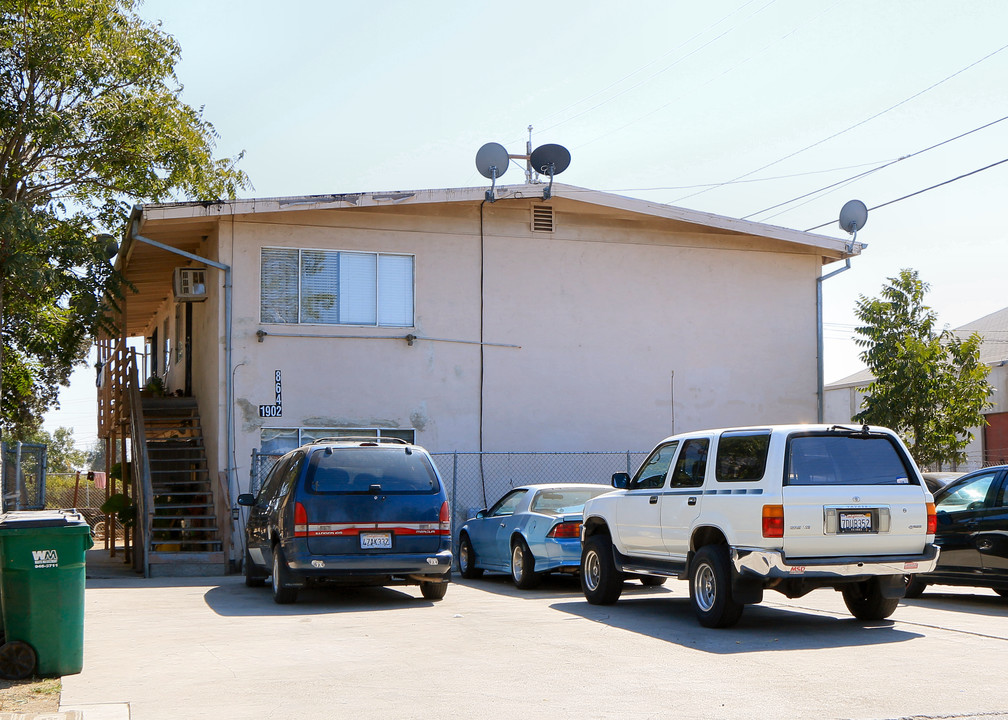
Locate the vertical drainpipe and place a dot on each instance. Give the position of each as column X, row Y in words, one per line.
column 228, row 381
column 820, row 411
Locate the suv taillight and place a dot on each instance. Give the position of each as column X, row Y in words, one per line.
column 444, row 520
column 565, row 530
column 300, row 521
column 773, row 521
column 932, row 519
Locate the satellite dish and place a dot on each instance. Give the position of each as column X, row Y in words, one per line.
column 853, row 216
column 550, row 160
column 492, row 162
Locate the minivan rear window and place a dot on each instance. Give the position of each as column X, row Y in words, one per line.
column 845, row 459
column 370, row 469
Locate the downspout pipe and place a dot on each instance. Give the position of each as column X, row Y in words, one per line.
column 229, row 381
column 820, row 393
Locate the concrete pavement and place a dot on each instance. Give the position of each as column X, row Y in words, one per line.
column 212, row 648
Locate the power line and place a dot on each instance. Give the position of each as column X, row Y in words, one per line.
column 753, row 180
column 852, row 127
column 919, row 192
column 649, row 64
column 711, row 80
column 880, row 167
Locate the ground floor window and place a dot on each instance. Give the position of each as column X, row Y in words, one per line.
column 277, row 441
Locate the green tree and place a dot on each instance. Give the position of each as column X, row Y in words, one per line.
column 929, row 385
column 90, row 122
column 62, row 455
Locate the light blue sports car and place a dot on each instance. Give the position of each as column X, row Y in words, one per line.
column 531, row 531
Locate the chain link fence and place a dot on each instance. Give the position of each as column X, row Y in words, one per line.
column 24, row 476
column 477, row 480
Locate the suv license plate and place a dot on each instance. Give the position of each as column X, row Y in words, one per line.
column 855, row 522
column 376, row 540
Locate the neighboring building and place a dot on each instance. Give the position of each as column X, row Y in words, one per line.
column 843, row 398
column 589, row 321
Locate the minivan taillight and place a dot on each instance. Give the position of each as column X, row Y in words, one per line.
column 932, row 519
column 773, row 521
column 444, row 520
column 300, row 521
column 565, row 530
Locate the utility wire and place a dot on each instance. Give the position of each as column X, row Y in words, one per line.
column 919, row 192
column 873, row 170
column 852, row 127
column 649, row 64
column 664, row 69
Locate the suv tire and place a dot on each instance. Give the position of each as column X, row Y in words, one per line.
column 253, row 577
column 652, row 580
column 284, row 592
column 914, row 586
column 865, row 601
column 710, row 588
column 523, row 566
column 467, row 558
column 433, row 590
column 601, row 582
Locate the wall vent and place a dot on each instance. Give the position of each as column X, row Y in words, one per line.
column 542, row 218
column 190, row 284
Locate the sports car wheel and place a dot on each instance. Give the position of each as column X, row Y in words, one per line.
column 523, row 566
column 467, row 558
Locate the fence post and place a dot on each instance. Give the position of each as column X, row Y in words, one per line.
column 454, row 490
column 628, row 462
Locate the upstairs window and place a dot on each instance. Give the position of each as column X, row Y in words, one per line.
column 331, row 287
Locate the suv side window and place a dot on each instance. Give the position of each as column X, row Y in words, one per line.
column 652, row 473
column 691, row 466
column 742, row 455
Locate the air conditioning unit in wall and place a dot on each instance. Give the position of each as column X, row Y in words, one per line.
column 190, row 284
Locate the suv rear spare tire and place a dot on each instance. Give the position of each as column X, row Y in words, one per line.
column 866, row 602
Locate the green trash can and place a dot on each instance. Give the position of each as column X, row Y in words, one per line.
column 42, row 557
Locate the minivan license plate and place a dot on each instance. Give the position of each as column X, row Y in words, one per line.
column 855, row 522
column 376, row 540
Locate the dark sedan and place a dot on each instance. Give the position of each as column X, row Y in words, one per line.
column 972, row 533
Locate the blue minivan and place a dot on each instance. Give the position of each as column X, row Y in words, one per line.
column 350, row 511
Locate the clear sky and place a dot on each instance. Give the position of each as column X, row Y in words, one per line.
column 726, row 106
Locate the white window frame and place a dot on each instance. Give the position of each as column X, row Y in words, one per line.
column 411, row 321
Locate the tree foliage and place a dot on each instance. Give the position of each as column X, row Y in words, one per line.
column 62, row 455
column 90, row 122
column 929, row 385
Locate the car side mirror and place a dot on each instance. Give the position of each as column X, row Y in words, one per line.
column 247, row 499
column 621, row 480
column 481, row 514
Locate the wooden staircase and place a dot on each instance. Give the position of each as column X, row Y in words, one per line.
column 186, row 537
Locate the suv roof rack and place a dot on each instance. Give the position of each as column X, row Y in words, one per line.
column 359, row 439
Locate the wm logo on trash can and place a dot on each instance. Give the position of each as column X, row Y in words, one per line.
column 45, row 558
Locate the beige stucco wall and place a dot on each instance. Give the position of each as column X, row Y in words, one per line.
column 628, row 329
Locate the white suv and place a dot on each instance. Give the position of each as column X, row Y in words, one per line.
column 789, row 508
